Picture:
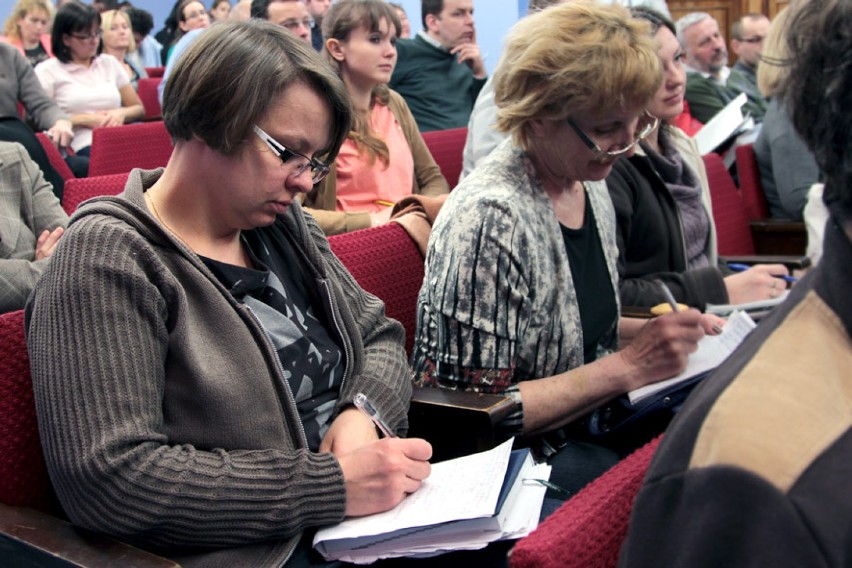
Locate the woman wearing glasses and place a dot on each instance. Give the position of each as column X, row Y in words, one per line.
column 91, row 87
column 197, row 346
column 384, row 159
column 520, row 291
column 662, row 203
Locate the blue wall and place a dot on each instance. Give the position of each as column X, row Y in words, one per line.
column 493, row 20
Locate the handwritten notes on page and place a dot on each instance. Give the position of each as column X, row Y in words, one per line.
column 464, row 504
column 712, row 350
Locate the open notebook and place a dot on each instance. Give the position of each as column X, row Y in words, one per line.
column 712, row 350
column 463, row 505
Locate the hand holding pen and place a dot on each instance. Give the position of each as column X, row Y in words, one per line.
column 363, row 404
column 736, row 267
column 709, row 322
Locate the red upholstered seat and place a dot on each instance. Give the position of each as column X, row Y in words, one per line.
column 147, row 90
column 589, row 529
column 733, row 232
column 385, row 262
column 447, row 146
column 55, row 158
column 750, row 187
column 23, row 474
column 154, row 72
column 119, row 149
column 78, row 190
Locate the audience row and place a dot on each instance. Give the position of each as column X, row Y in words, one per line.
column 202, row 321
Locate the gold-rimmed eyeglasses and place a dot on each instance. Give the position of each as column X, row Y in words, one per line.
column 645, row 126
column 318, row 169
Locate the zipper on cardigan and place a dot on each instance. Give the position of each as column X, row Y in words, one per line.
column 347, row 352
column 280, row 370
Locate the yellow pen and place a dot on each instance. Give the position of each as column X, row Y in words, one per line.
column 385, row 203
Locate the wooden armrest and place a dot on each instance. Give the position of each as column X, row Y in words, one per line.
column 457, row 423
column 32, row 538
column 779, row 236
column 794, row 262
column 642, row 312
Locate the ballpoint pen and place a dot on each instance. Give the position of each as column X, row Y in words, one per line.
column 364, row 405
column 736, row 267
column 667, row 294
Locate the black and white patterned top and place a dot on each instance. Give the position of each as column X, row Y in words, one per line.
column 293, row 317
column 498, row 304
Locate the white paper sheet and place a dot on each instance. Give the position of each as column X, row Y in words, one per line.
column 712, row 350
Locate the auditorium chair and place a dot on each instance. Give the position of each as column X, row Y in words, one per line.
column 119, row 149
column 55, row 157
column 771, row 236
column 33, row 531
column 147, row 91
column 446, row 147
column 387, row 263
column 154, row 72
column 78, row 190
column 587, row 531
column 734, row 232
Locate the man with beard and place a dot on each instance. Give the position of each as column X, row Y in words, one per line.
column 707, row 79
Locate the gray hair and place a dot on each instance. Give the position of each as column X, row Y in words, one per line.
column 689, row 20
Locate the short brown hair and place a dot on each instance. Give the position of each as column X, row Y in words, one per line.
column 574, row 58
column 229, row 77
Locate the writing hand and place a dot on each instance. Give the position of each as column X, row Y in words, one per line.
column 380, row 475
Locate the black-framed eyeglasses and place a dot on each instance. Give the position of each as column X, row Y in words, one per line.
column 318, row 169
column 88, row 36
column 646, row 125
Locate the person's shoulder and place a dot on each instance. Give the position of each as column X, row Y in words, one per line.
column 107, row 60
column 51, row 65
column 11, row 152
column 7, row 49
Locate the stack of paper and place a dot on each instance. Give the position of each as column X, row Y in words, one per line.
column 712, row 350
column 465, row 504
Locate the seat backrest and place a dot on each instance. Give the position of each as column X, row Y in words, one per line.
column 733, row 233
column 750, row 187
column 154, row 72
column 147, row 91
column 79, row 190
column 119, row 149
column 447, row 147
column 55, row 158
column 587, row 531
column 386, row 263
column 23, row 474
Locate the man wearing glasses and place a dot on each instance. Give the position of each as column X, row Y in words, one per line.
column 708, row 88
column 747, row 36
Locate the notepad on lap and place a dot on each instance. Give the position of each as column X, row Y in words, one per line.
column 712, row 350
column 464, row 504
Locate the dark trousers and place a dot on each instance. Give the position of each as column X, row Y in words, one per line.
column 13, row 130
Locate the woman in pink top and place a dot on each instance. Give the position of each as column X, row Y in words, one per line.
column 25, row 29
column 384, row 158
column 92, row 88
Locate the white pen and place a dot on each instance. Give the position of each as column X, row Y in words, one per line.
column 364, row 405
column 670, row 299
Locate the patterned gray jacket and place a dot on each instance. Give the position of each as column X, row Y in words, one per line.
column 498, row 304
